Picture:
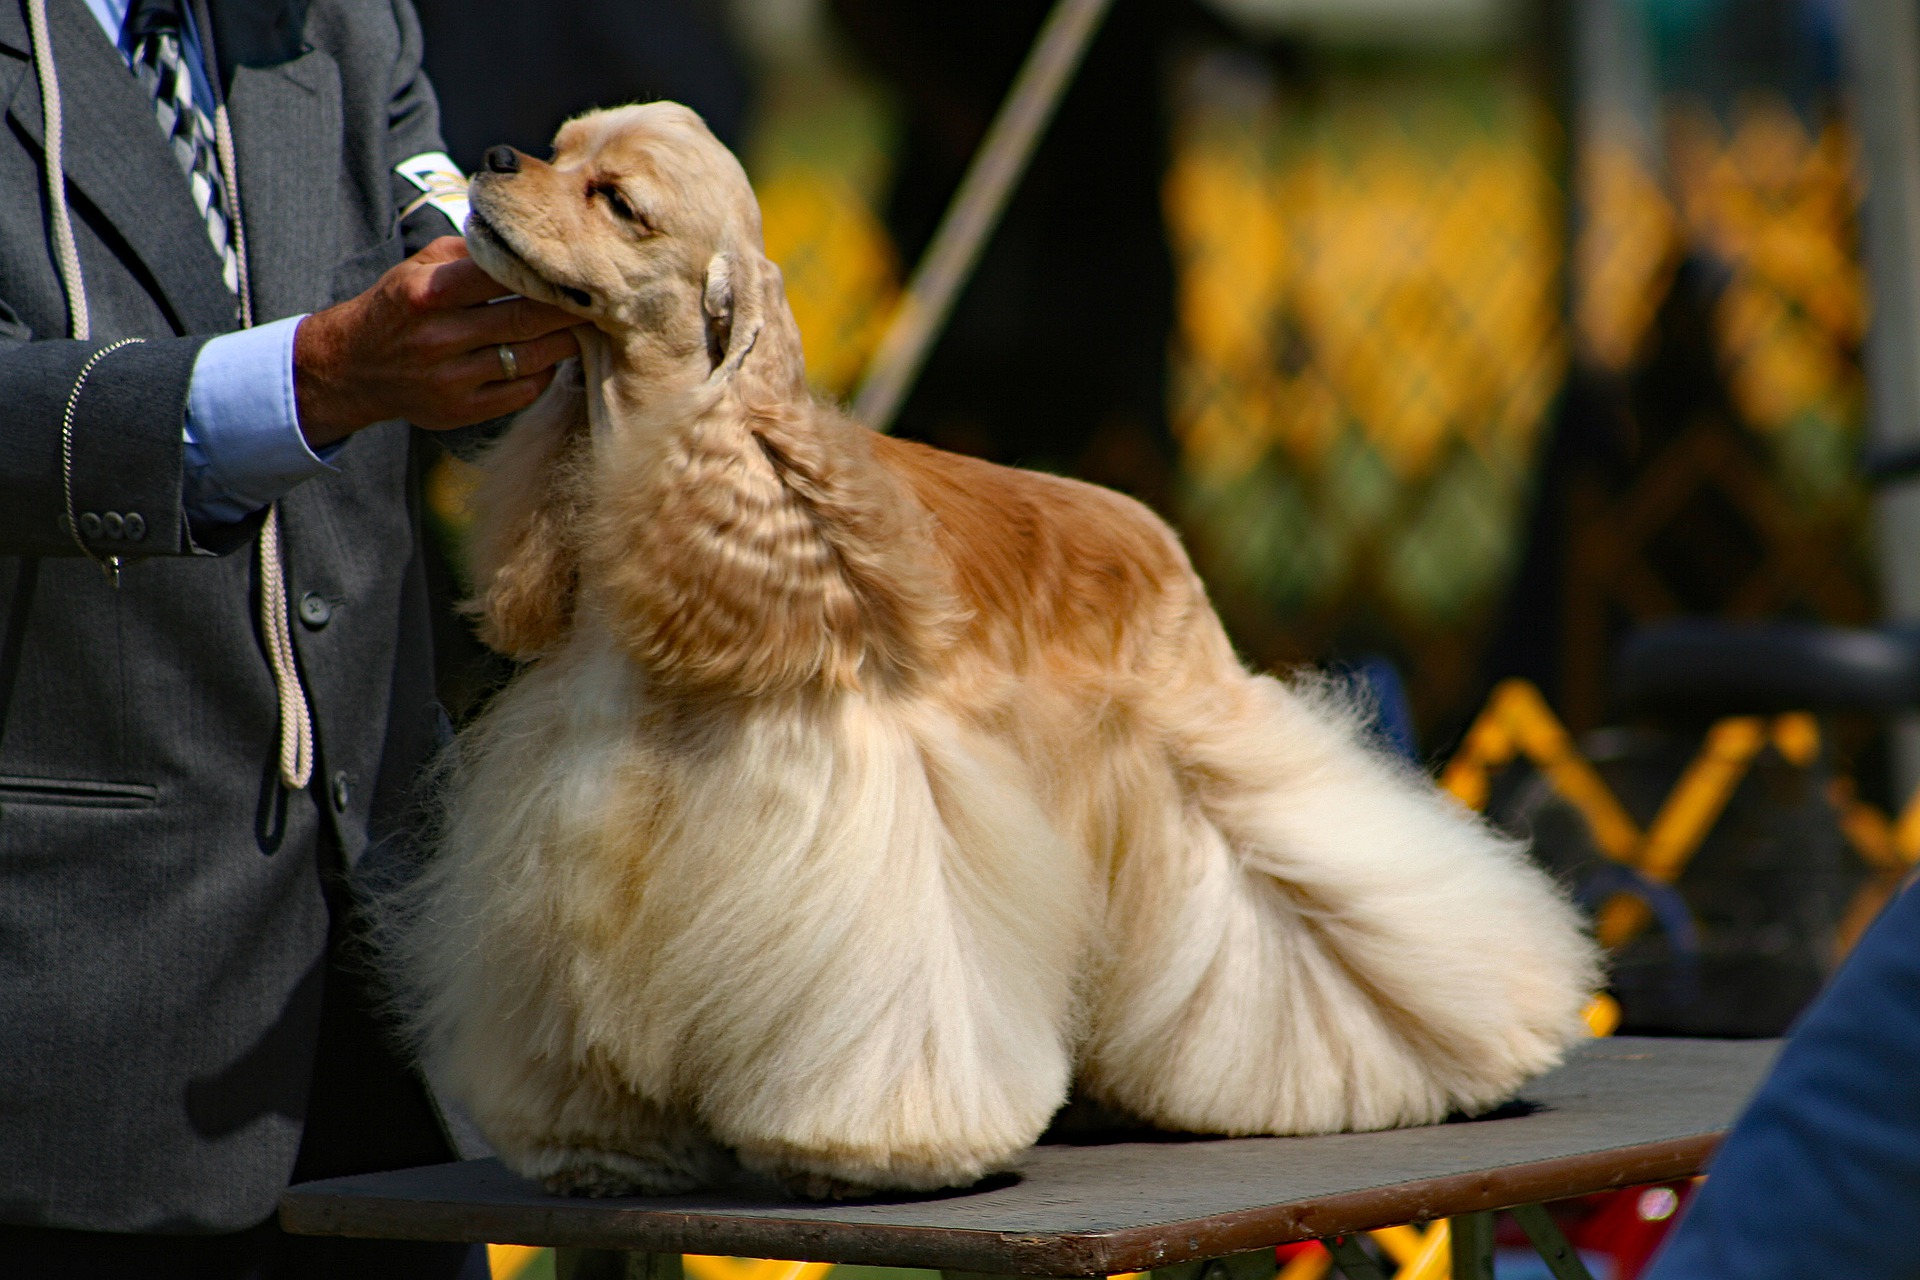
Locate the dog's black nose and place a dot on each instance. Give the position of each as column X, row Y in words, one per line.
column 503, row 160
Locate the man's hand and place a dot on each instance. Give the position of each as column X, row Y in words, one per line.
column 424, row 344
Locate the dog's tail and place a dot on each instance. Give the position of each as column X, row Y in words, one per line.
column 1310, row 937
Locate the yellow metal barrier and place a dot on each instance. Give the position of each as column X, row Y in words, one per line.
column 704, row 1267
column 512, row 1261
column 1688, row 813
column 1889, row 847
column 1420, row 1255
column 1517, row 722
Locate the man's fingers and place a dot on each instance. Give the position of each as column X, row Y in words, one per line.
column 537, row 356
column 498, row 398
column 491, row 400
column 543, row 352
column 425, row 343
column 520, row 320
column 459, row 283
column 452, row 278
column 442, row 249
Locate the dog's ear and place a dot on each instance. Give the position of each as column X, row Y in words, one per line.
column 716, row 302
column 750, row 328
column 730, row 301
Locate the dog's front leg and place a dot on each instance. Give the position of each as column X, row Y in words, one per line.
column 898, row 1004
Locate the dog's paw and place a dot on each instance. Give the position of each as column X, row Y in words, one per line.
column 820, row 1186
column 594, row 1173
column 857, row 1175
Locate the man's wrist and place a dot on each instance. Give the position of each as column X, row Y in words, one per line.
column 323, row 401
column 242, row 438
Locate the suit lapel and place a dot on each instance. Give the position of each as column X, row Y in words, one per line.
column 116, row 158
column 286, row 141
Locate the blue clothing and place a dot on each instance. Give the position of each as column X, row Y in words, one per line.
column 244, row 447
column 1821, row 1176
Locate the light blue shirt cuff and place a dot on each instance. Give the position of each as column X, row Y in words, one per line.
column 243, row 443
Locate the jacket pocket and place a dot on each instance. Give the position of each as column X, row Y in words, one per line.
column 77, row 793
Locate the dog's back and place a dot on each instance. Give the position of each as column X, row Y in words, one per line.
column 1050, row 570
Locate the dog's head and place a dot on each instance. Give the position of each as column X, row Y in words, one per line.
column 643, row 225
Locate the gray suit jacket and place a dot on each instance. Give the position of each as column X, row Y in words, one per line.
column 162, row 922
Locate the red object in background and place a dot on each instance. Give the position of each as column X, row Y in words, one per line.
column 1629, row 1225
column 1625, row 1226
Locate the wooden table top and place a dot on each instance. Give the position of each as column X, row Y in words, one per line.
column 1621, row 1111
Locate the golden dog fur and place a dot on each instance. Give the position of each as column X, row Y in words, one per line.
column 857, row 798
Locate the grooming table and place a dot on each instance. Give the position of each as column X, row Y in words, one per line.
column 1621, row 1111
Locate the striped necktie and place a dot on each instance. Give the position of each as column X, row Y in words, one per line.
column 160, row 61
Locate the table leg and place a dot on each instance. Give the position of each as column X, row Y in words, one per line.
column 615, row 1264
column 1561, row 1257
column 1470, row 1236
column 1353, row 1261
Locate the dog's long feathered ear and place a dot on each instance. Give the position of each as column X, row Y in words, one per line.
column 531, row 504
column 750, row 329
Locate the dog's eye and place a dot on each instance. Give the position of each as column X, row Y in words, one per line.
column 618, row 203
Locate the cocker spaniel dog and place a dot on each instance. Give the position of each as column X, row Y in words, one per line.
column 857, row 799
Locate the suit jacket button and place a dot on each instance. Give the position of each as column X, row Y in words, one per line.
column 136, row 525
column 315, row 612
column 90, row 524
column 115, row 524
column 342, row 792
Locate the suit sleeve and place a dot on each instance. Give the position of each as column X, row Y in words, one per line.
column 120, row 461
column 413, row 127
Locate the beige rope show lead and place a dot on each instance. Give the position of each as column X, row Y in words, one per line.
column 296, row 719
column 296, row 716
column 66, row 253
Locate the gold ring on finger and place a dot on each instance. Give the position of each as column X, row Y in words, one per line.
column 509, row 363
